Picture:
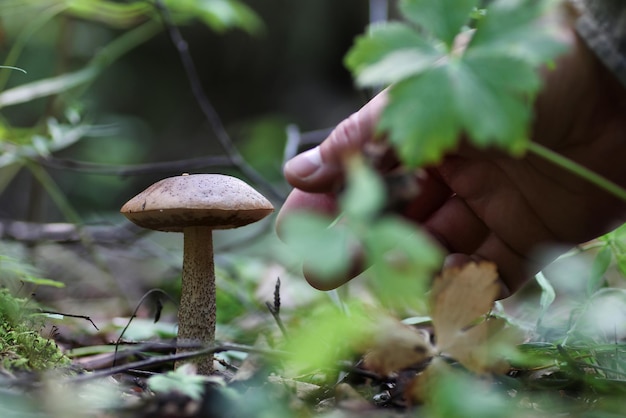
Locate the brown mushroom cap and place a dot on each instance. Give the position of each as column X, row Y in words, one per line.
column 215, row 200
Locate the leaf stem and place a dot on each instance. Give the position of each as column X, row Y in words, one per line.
column 579, row 170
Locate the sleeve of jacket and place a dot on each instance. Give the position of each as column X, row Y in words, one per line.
column 602, row 24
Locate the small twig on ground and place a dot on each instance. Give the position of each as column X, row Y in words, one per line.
column 275, row 308
column 86, row 318
column 171, row 358
column 133, row 316
column 182, row 47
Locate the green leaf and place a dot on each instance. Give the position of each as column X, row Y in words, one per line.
column 12, row 269
column 484, row 92
column 324, row 249
column 403, row 261
column 617, row 241
column 489, row 113
column 442, row 19
column 514, row 28
column 421, row 118
column 600, row 265
column 548, row 295
column 9, row 67
column 327, row 336
column 365, row 193
column 219, row 15
column 389, row 53
column 460, row 395
column 182, row 380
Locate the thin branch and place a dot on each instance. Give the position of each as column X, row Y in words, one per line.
column 32, row 232
column 179, row 166
column 207, row 108
column 86, row 318
column 578, row 170
column 171, row 358
column 134, row 315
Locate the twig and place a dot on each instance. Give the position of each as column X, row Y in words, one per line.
column 134, row 315
column 275, row 308
column 137, row 169
column 182, row 47
column 33, row 232
column 69, row 315
column 171, row 358
column 578, row 170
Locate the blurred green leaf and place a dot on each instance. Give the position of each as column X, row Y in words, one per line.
column 9, row 67
column 548, row 295
column 220, row 14
column 324, row 249
column 482, row 90
column 365, row 192
column 390, row 53
column 182, row 380
column 328, row 335
column 515, row 29
column 617, row 241
column 263, row 145
column 459, row 395
column 403, row 260
column 441, row 19
column 14, row 270
column 46, row 87
column 600, row 265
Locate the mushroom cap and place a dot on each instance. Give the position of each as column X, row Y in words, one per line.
column 214, row 200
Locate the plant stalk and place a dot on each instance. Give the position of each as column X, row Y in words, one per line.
column 579, row 170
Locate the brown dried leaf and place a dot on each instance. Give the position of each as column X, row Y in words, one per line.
column 479, row 348
column 395, row 346
column 460, row 296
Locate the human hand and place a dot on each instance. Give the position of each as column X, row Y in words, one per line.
column 482, row 204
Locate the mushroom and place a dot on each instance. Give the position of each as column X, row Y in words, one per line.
column 196, row 205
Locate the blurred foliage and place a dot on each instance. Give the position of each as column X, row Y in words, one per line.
column 574, row 355
column 104, row 85
column 22, row 347
column 59, row 128
column 495, row 74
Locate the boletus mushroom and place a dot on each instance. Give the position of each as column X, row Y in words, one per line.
column 196, row 205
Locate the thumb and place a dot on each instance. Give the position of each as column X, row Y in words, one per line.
column 321, row 169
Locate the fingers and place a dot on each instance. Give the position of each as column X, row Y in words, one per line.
column 321, row 168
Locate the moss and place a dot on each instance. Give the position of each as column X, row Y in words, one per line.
column 22, row 347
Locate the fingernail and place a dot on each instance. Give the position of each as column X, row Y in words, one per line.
column 305, row 164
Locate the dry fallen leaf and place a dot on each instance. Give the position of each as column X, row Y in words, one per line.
column 395, row 346
column 460, row 300
column 459, row 296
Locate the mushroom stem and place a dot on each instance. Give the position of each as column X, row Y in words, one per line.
column 196, row 315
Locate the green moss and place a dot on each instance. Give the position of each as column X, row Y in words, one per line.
column 22, row 347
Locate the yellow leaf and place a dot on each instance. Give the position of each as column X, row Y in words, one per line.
column 395, row 346
column 480, row 348
column 460, row 296
column 460, row 300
